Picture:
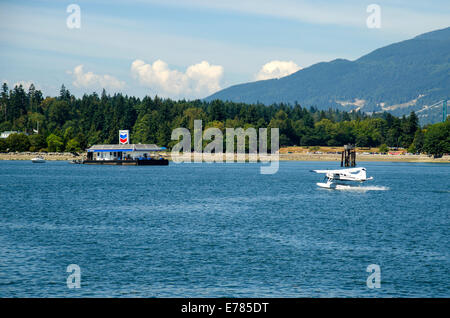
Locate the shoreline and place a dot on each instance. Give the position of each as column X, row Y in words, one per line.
column 362, row 158
column 50, row 156
column 55, row 156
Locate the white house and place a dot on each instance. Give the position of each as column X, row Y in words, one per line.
column 6, row 134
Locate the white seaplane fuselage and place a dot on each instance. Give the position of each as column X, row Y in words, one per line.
column 342, row 178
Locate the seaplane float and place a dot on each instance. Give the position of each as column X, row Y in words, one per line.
column 342, row 178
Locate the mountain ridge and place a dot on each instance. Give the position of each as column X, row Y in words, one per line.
column 399, row 78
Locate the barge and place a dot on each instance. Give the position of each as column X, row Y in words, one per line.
column 126, row 155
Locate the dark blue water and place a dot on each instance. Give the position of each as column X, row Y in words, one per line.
column 212, row 230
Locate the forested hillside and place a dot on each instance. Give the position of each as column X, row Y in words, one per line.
column 399, row 78
column 67, row 123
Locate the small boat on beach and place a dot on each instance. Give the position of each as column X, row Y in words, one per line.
column 38, row 159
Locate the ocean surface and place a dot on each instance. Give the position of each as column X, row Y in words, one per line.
column 222, row 230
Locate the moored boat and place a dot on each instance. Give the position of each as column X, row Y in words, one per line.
column 38, row 159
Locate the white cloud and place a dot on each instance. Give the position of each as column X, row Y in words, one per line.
column 206, row 77
column 199, row 79
column 276, row 69
column 25, row 84
column 92, row 80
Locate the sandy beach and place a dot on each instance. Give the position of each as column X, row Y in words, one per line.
column 362, row 154
column 360, row 157
column 50, row 156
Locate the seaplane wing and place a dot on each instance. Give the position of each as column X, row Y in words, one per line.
column 352, row 174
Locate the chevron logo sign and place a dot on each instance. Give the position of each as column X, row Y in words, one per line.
column 124, row 137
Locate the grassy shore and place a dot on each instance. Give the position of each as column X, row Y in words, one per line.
column 285, row 154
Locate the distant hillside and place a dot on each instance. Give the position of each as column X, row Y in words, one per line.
column 398, row 78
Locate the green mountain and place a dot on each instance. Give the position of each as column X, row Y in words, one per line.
column 399, row 78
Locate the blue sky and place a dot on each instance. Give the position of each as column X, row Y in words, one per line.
column 191, row 48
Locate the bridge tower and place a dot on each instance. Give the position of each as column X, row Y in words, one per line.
column 444, row 110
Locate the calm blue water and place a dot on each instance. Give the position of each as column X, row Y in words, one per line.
column 212, row 230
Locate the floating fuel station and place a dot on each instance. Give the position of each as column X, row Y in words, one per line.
column 125, row 153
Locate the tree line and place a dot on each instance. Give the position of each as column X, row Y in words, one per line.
column 67, row 123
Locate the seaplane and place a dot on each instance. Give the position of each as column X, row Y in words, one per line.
column 339, row 179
